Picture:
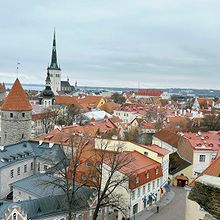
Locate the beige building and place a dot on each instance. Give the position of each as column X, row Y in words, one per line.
column 207, row 187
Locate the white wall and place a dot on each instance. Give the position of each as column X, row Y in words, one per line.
column 139, row 199
column 164, row 145
column 20, row 195
column 125, row 116
column 5, row 174
column 202, row 165
column 55, row 77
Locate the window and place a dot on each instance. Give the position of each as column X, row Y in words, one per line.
column 153, row 184
column 12, row 173
column 135, row 209
column 45, row 167
column 133, row 195
column 146, row 153
column 32, row 166
column 25, row 168
column 88, row 164
column 158, row 182
column 137, row 180
column 201, row 158
column 18, row 171
column 22, row 135
column 144, row 190
column 23, row 114
column 148, row 187
column 38, row 167
column 11, row 115
column 139, row 192
column 147, row 175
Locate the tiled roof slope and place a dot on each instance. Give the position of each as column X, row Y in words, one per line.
column 2, row 88
column 168, row 137
column 17, row 99
column 148, row 92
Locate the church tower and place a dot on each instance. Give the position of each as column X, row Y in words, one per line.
column 16, row 116
column 54, row 69
column 47, row 97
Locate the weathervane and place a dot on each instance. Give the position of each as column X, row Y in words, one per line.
column 18, row 63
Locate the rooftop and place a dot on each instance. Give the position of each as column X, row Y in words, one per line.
column 209, row 140
column 17, row 99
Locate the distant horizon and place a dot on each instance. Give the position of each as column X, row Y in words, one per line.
column 133, row 88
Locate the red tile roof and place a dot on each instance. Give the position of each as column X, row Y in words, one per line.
column 138, row 166
column 2, row 88
column 149, row 92
column 86, row 102
column 17, row 99
column 209, row 140
column 168, row 137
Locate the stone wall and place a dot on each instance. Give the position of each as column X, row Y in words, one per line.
column 15, row 126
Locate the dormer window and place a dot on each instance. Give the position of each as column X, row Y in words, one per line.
column 137, row 180
column 147, row 175
column 157, row 171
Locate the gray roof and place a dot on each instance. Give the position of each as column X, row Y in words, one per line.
column 29, row 149
column 39, row 185
column 50, row 206
column 65, row 83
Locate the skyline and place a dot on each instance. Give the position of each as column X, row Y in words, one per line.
column 114, row 44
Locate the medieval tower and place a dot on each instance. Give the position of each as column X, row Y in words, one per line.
column 54, row 69
column 16, row 116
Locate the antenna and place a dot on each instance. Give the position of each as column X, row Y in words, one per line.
column 18, row 63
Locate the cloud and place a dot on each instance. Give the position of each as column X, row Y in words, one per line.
column 114, row 43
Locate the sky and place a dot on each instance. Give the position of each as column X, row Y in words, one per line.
column 117, row 43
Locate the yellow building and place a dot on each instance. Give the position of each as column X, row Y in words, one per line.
column 152, row 151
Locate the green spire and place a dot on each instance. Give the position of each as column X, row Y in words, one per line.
column 53, row 64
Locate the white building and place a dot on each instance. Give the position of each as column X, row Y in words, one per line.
column 24, row 159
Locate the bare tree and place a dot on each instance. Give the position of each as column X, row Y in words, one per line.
column 111, row 180
column 48, row 119
column 68, row 169
column 211, row 121
column 67, row 115
column 102, row 169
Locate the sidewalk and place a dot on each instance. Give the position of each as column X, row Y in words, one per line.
column 149, row 211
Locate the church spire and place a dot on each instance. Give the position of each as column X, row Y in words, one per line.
column 54, row 64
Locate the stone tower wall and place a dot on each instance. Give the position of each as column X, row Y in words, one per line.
column 55, row 78
column 15, row 126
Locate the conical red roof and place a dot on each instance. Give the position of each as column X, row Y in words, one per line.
column 16, row 99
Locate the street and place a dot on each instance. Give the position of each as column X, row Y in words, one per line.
column 174, row 210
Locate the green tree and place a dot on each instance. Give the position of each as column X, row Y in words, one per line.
column 118, row 98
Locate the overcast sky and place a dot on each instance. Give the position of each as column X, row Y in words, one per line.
column 160, row 43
